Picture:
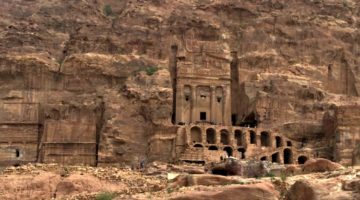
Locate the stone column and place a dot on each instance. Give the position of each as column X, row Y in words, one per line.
column 179, row 103
column 212, row 116
column 193, row 102
column 226, row 112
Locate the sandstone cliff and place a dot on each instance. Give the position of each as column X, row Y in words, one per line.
column 105, row 62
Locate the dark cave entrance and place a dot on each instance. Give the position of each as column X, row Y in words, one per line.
column 229, row 151
column 250, row 121
column 265, row 139
column 288, row 156
column 210, row 136
column 252, row 137
column 275, row 158
column 302, row 159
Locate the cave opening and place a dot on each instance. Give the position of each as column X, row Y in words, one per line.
column 229, row 151
column 196, row 134
column 250, row 121
column 288, row 156
column 242, row 151
column 239, row 137
column 302, row 159
column 252, row 137
column 213, row 148
column 210, row 136
column 275, row 158
column 224, row 137
column 265, row 139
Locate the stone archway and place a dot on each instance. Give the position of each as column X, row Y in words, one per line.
column 242, row 151
column 275, row 158
column 279, row 142
column 288, row 156
column 213, row 148
column 265, row 139
column 210, row 136
column 224, row 137
column 240, row 138
column 302, row 160
column 252, row 137
column 196, row 134
column 229, row 151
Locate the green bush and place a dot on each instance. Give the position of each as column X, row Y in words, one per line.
column 151, row 70
column 105, row 196
column 108, row 10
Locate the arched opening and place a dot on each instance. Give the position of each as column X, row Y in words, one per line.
column 210, row 136
column 265, row 139
column 275, row 158
column 288, row 143
column 304, row 141
column 302, row 159
column 196, row 134
column 198, row 146
column 224, row 139
column 229, row 151
column 239, row 137
column 278, row 141
column 249, row 121
column 242, row 151
column 252, row 137
column 17, row 153
column 288, row 156
column 263, row 158
column 213, row 148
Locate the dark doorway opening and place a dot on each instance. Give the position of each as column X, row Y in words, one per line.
column 203, row 116
column 288, row 143
column 265, row 139
column 242, row 151
column 213, row 148
column 288, row 156
column 239, row 137
column 196, row 135
column 252, row 137
column 224, row 137
column 263, row 158
column 229, row 151
column 278, row 141
column 210, row 136
column 233, row 119
column 17, row 153
column 275, row 158
column 302, row 159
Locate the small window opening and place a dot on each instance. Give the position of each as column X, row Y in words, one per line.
column 203, row 116
column 252, row 137
column 263, row 158
column 233, row 119
column 219, row 99
column 17, row 153
column 288, row 143
column 203, row 96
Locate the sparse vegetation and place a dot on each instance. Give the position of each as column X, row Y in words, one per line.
column 151, row 70
column 283, row 177
column 107, row 10
column 105, row 196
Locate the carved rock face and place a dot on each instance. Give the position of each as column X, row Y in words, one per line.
column 110, row 65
